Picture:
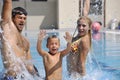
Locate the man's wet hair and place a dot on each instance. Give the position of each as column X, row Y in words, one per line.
column 18, row 10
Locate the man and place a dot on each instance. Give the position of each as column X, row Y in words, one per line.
column 15, row 47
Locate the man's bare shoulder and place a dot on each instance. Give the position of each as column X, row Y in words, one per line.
column 8, row 25
column 3, row 22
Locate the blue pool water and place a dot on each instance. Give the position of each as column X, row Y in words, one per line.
column 103, row 61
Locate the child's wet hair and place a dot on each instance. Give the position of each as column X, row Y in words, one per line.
column 52, row 36
column 18, row 10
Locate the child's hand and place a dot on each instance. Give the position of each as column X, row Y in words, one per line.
column 68, row 37
column 42, row 34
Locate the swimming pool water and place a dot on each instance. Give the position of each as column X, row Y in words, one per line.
column 103, row 62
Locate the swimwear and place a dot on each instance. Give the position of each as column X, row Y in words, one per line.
column 8, row 78
column 75, row 45
column 36, row 71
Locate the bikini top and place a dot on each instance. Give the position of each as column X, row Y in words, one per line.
column 75, row 45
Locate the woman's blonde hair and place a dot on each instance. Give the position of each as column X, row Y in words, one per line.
column 89, row 21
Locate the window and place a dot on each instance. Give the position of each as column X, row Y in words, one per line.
column 39, row 0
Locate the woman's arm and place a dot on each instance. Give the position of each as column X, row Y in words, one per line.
column 68, row 38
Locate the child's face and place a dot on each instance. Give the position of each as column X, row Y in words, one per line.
column 53, row 45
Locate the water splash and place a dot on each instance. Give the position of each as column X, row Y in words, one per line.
column 94, row 71
column 17, row 64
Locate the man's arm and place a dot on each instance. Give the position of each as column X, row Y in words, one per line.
column 39, row 43
column 29, row 65
column 6, row 10
column 68, row 38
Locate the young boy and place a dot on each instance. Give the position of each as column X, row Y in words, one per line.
column 53, row 59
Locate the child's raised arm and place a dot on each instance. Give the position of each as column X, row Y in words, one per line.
column 68, row 38
column 41, row 36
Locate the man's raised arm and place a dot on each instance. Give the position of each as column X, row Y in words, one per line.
column 6, row 10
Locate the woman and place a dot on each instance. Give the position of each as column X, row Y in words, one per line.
column 80, row 47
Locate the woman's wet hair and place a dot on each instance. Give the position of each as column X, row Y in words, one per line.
column 89, row 21
column 19, row 10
